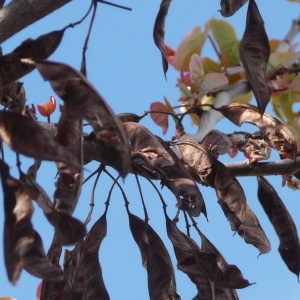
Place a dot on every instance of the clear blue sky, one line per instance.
(125, 66)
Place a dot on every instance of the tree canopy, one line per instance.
(173, 183)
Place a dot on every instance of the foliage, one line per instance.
(122, 143)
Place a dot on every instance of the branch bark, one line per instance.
(211, 117)
(285, 45)
(278, 167)
(19, 14)
(92, 151)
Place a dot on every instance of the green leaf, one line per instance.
(210, 66)
(225, 36)
(244, 99)
(283, 105)
(282, 58)
(192, 43)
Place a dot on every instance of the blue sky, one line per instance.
(125, 66)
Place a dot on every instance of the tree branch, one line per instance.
(19, 14)
(92, 151)
(278, 167)
(211, 117)
(285, 45)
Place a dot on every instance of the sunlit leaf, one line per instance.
(160, 119)
(191, 44)
(213, 80)
(226, 38)
(48, 108)
(196, 71)
(169, 54)
(244, 99)
(210, 66)
(285, 59)
(274, 45)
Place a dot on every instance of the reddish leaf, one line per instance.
(48, 108)
(191, 44)
(169, 53)
(160, 119)
(84, 102)
(38, 291)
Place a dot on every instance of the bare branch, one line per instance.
(278, 167)
(210, 118)
(26, 12)
(285, 45)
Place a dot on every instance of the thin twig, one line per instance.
(82, 19)
(115, 5)
(107, 202)
(94, 173)
(187, 224)
(142, 198)
(92, 203)
(118, 184)
(85, 46)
